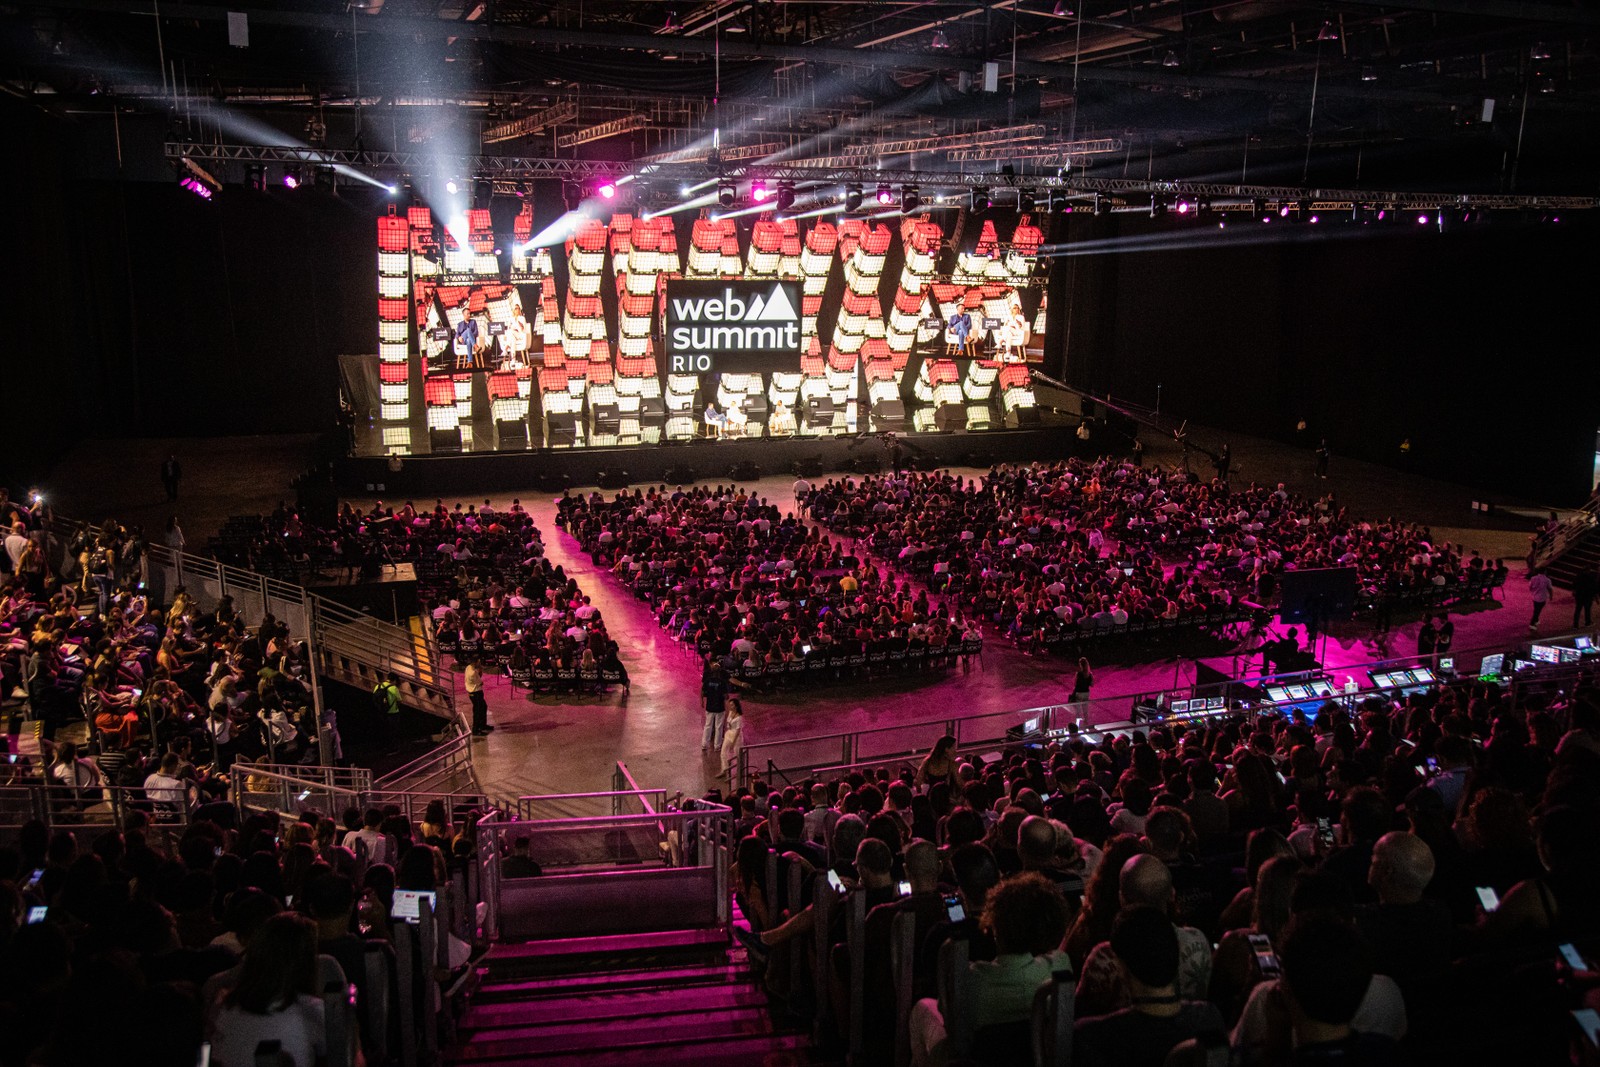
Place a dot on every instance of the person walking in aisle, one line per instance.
(1323, 455)
(1082, 681)
(480, 703)
(1540, 588)
(714, 699)
(1224, 461)
(732, 737)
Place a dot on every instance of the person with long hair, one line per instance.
(275, 998)
(1234, 971)
(1101, 899)
(939, 765)
(1081, 681)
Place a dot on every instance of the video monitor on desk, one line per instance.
(1277, 694)
(1423, 676)
(1490, 668)
(1181, 707)
(1299, 692)
(1322, 689)
(1545, 653)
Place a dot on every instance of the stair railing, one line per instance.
(1547, 547)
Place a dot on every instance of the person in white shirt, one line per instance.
(16, 543)
(370, 838)
(1541, 589)
(164, 788)
(274, 999)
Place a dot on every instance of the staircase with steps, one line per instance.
(681, 997)
(1580, 553)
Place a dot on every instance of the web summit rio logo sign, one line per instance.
(738, 327)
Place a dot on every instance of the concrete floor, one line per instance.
(571, 744)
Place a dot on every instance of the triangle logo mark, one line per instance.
(778, 308)
(752, 310)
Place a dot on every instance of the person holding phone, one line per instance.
(275, 999)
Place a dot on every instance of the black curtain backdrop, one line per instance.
(1474, 343)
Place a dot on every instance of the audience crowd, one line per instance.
(1051, 552)
(1379, 884)
(482, 576)
(726, 572)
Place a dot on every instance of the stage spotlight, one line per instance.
(291, 177)
(1358, 213)
(451, 187)
(979, 199)
(759, 191)
(1101, 206)
(1283, 211)
(726, 194)
(1158, 206)
(1422, 218)
(1183, 207)
(852, 196)
(1025, 201)
(885, 194)
(910, 199)
(571, 195)
(785, 196)
(255, 177)
(608, 190)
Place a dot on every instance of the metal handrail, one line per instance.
(1548, 548)
(849, 742)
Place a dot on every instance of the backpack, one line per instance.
(380, 697)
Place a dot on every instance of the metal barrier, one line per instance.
(794, 758)
(1548, 547)
(444, 767)
(638, 869)
(94, 809)
(260, 791)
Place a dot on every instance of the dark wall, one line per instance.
(145, 311)
(1472, 343)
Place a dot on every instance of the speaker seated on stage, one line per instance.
(782, 423)
(716, 421)
(736, 420)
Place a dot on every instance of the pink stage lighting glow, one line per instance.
(1283, 212)
(885, 195)
(1422, 220)
(202, 191)
(1183, 207)
(1315, 220)
(291, 181)
(608, 190)
(759, 191)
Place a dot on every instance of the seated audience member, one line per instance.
(1411, 936)
(1027, 919)
(275, 999)
(1103, 985)
(520, 864)
(1157, 1019)
(1326, 974)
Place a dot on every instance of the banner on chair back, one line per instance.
(732, 326)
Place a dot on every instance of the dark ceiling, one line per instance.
(1357, 94)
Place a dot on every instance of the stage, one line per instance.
(702, 459)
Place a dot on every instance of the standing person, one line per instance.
(732, 737)
(171, 472)
(1323, 455)
(1446, 635)
(1138, 451)
(1585, 587)
(386, 698)
(1082, 681)
(1541, 590)
(1224, 461)
(714, 699)
(480, 703)
(1427, 637)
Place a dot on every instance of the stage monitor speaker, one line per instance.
(605, 418)
(755, 408)
(745, 471)
(866, 464)
(442, 441)
(560, 428)
(1024, 418)
(889, 414)
(551, 482)
(950, 417)
(612, 479)
(651, 409)
(1318, 595)
(819, 411)
(681, 475)
(511, 434)
(808, 466)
